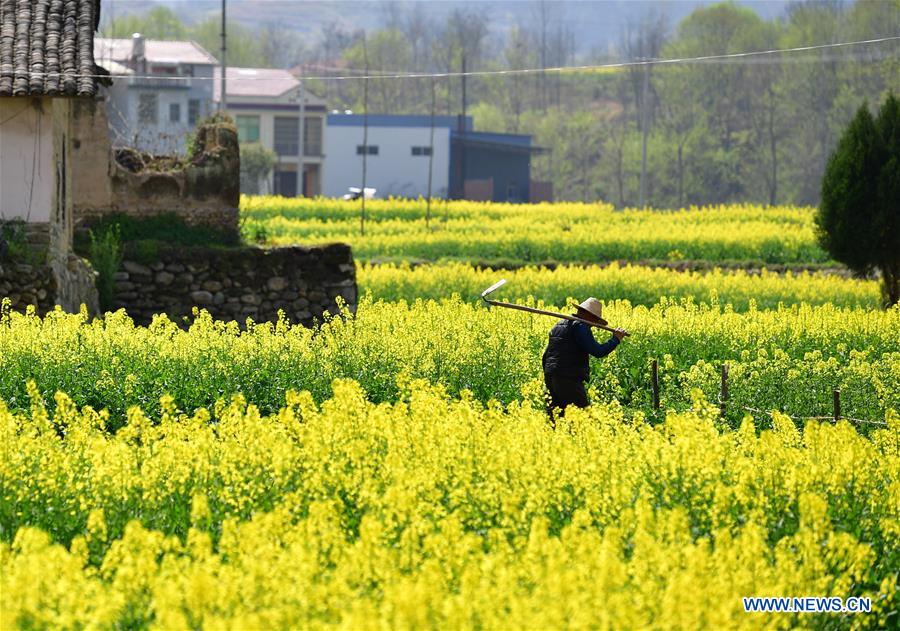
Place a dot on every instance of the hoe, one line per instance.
(562, 316)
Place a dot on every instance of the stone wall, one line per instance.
(76, 283)
(239, 283)
(202, 190)
(44, 286)
(27, 285)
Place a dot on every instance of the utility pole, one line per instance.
(223, 100)
(461, 128)
(362, 215)
(644, 125)
(464, 83)
(301, 147)
(430, 159)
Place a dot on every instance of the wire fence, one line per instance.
(724, 401)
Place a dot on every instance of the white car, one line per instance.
(354, 192)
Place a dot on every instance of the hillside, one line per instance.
(596, 25)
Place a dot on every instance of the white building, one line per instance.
(45, 85)
(467, 164)
(266, 104)
(398, 155)
(168, 91)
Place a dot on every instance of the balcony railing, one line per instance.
(161, 82)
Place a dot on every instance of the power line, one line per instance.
(523, 71)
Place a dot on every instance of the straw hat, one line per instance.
(593, 306)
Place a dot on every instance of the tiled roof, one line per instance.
(155, 51)
(264, 82)
(47, 47)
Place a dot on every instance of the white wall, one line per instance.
(164, 137)
(27, 169)
(394, 171)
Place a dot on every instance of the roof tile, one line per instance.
(47, 47)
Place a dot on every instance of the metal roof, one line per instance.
(155, 51)
(397, 120)
(263, 82)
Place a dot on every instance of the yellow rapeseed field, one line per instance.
(394, 467)
(492, 353)
(562, 231)
(637, 284)
(438, 512)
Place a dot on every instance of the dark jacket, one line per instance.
(570, 346)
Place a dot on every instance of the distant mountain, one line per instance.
(596, 24)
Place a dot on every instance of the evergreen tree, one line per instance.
(889, 198)
(857, 218)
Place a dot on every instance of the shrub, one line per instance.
(106, 257)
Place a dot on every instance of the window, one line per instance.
(148, 106)
(287, 135)
(372, 150)
(248, 128)
(174, 112)
(512, 192)
(421, 151)
(193, 112)
(312, 136)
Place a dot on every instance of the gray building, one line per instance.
(166, 90)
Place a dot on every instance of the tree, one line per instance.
(158, 23)
(282, 47)
(387, 51)
(244, 47)
(859, 218)
(256, 164)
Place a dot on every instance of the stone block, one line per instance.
(120, 276)
(175, 268)
(201, 297)
(164, 278)
(250, 299)
(136, 268)
(212, 285)
(277, 283)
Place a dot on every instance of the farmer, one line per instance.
(565, 361)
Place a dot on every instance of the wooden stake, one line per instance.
(654, 384)
(723, 396)
(837, 405)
